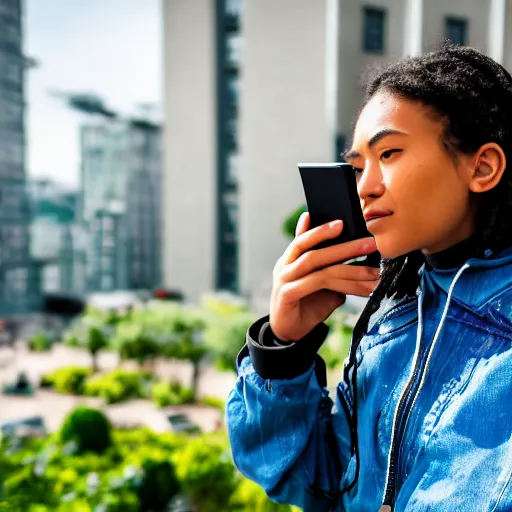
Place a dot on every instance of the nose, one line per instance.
(370, 183)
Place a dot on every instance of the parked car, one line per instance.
(24, 428)
(181, 424)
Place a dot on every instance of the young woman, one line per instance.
(422, 418)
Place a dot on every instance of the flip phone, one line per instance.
(331, 194)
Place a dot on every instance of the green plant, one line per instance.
(40, 342)
(186, 340)
(225, 336)
(171, 393)
(88, 428)
(136, 339)
(206, 472)
(159, 485)
(223, 303)
(290, 222)
(92, 333)
(250, 496)
(213, 401)
(67, 380)
(117, 385)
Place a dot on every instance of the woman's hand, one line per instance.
(308, 285)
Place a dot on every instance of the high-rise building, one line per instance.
(57, 238)
(19, 288)
(121, 204)
(203, 53)
(297, 96)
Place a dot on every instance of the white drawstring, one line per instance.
(416, 355)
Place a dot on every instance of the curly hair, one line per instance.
(471, 95)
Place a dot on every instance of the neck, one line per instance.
(452, 257)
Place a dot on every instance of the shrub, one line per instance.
(171, 393)
(135, 339)
(88, 428)
(117, 386)
(225, 336)
(90, 332)
(159, 485)
(67, 380)
(250, 496)
(206, 472)
(40, 342)
(290, 223)
(213, 401)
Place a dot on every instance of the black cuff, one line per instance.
(284, 361)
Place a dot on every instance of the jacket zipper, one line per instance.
(402, 411)
(405, 404)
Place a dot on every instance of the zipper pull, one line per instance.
(385, 508)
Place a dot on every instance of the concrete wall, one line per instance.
(283, 122)
(353, 61)
(476, 12)
(189, 145)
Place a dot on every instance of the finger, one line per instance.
(311, 237)
(309, 261)
(324, 258)
(302, 224)
(294, 291)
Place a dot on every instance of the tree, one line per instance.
(186, 342)
(90, 333)
(135, 339)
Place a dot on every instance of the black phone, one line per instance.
(331, 194)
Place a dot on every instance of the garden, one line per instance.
(88, 465)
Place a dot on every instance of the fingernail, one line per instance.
(335, 224)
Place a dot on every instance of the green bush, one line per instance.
(225, 336)
(135, 339)
(140, 471)
(290, 223)
(159, 485)
(213, 401)
(88, 428)
(250, 496)
(41, 342)
(118, 385)
(206, 472)
(171, 393)
(223, 303)
(91, 332)
(67, 380)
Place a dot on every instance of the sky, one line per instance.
(111, 48)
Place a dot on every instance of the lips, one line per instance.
(376, 214)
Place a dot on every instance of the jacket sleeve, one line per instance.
(280, 420)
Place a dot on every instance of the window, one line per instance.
(456, 30)
(373, 30)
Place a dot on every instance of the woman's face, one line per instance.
(417, 192)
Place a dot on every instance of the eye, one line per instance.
(387, 154)
(357, 170)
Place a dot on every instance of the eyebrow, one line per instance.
(348, 155)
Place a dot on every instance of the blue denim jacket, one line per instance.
(450, 350)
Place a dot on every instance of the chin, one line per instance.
(391, 248)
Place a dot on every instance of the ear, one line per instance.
(489, 165)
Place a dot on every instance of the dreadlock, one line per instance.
(471, 95)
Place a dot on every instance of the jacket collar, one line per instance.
(483, 279)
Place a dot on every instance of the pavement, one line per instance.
(54, 407)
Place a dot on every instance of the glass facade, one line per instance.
(229, 58)
(19, 279)
(121, 207)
